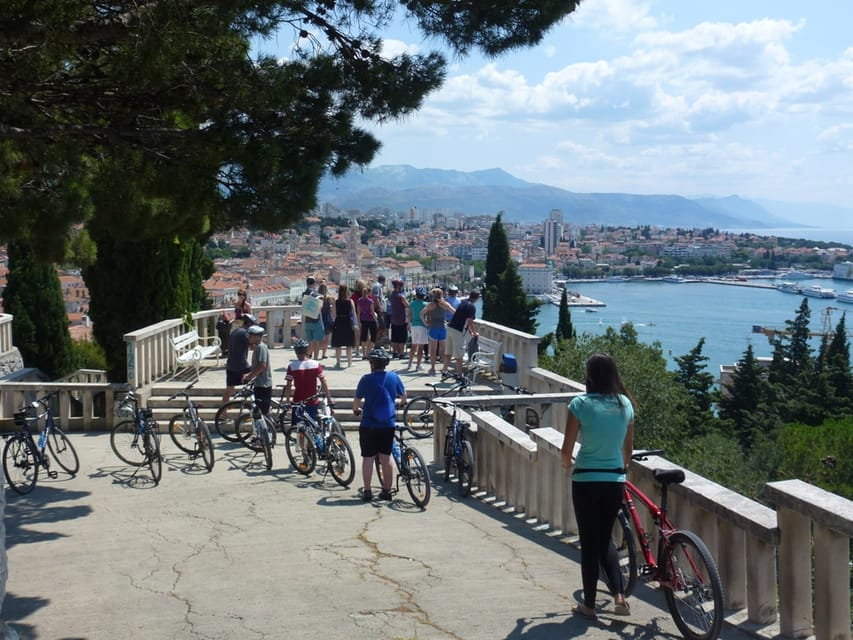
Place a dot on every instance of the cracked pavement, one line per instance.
(249, 554)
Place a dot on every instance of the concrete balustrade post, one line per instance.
(832, 585)
(731, 562)
(795, 570)
(761, 581)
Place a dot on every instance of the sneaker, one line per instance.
(385, 495)
(367, 495)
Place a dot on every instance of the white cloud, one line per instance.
(614, 15)
(392, 48)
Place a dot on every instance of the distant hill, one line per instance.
(401, 187)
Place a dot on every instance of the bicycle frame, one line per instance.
(658, 516)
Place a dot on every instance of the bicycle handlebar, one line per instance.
(643, 454)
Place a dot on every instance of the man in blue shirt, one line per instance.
(462, 321)
(379, 390)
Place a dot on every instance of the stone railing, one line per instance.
(150, 354)
(78, 406)
(748, 540)
(5, 333)
(523, 346)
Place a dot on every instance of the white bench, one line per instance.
(486, 358)
(190, 350)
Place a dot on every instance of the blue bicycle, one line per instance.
(136, 441)
(458, 453)
(22, 456)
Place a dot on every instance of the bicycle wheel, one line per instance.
(151, 444)
(693, 590)
(182, 432)
(225, 421)
(417, 414)
(126, 443)
(341, 459)
(625, 543)
(417, 476)
(63, 451)
(20, 464)
(206, 445)
(465, 469)
(266, 437)
(301, 451)
(246, 433)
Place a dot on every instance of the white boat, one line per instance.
(788, 287)
(847, 296)
(591, 310)
(816, 291)
(794, 274)
(673, 279)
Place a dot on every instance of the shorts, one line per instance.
(455, 345)
(311, 410)
(420, 335)
(235, 378)
(399, 333)
(438, 334)
(314, 331)
(368, 328)
(263, 398)
(375, 440)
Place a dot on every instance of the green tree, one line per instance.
(155, 121)
(819, 455)
(565, 329)
(504, 300)
(834, 369)
(33, 295)
(692, 374)
(745, 403)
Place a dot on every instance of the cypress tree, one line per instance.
(33, 296)
(565, 329)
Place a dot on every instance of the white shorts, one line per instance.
(420, 335)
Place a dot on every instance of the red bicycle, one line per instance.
(683, 566)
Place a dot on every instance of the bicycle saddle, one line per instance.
(669, 476)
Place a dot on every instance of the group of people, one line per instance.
(602, 418)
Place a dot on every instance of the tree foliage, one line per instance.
(565, 329)
(819, 455)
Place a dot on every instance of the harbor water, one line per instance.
(679, 315)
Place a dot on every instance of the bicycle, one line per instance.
(190, 432)
(411, 467)
(136, 441)
(531, 417)
(323, 439)
(233, 420)
(683, 566)
(458, 452)
(417, 414)
(22, 456)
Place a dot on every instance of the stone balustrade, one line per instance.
(78, 406)
(6, 343)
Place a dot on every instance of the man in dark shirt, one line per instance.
(462, 320)
(237, 364)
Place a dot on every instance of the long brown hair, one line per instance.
(343, 292)
(602, 376)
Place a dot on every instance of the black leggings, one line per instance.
(596, 507)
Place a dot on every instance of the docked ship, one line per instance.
(816, 291)
(795, 274)
(847, 296)
(788, 287)
(843, 271)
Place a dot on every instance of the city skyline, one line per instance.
(656, 96)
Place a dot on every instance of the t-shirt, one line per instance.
(398, 307)
(304, 374)
(454, 302)
(603, 425)
(238, 350)
(259, 355)
(379, 391)
(366, 309)
(465, 310)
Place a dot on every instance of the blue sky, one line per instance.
(746, 97)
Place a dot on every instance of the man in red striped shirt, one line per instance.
(302, 377)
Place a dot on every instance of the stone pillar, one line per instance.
(6, 632)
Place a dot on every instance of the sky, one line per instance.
(746, 97)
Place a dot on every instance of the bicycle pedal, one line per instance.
(52, 474)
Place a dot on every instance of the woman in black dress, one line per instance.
(343, 334)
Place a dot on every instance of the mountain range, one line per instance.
(398, 188)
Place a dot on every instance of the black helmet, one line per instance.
(249, 320)
(301, 345)
(379, 355)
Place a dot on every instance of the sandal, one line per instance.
(583, 612)
(621, 609)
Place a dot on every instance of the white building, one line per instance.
(536, 277)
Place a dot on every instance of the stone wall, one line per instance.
(10, 362)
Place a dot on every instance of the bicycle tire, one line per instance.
(417, 476)
(265, 436)
(246, 433)
(205, 443)
(449, 457)
(151, 444)
(63, 451)
(303, 458)
(182, 433)
(625, 544)
(692, 587)
(340, 459)
(465, 469)
(378, 466)
(225, 421)
(20, 464)
(418, 415)
(127, 444)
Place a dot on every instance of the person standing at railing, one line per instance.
(604, 419)
(461, 321)
(237, 364)
(433, 316)
(399, 319)
(420, 338)
(379, 390)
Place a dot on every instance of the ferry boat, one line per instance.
(788, 287)
(847, 296)
(816, 291)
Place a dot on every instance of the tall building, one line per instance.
(553, 230)
(354, 243)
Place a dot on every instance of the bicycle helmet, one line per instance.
(249, 319)
(256, 330)
(301, 346)
(420, 292)
(379, 355)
